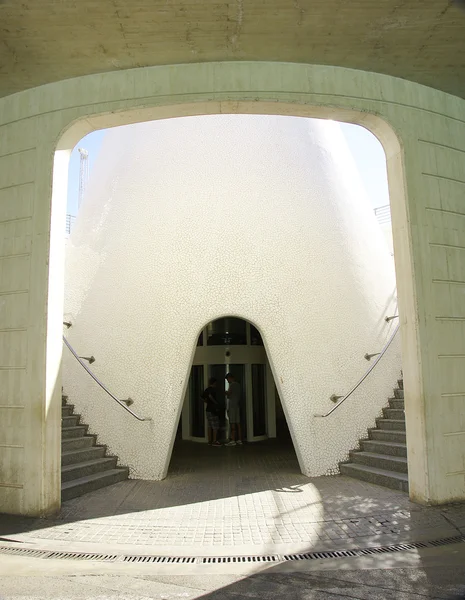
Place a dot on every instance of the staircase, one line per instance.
(85, 467)
(382, 458)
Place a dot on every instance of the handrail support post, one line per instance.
(338, 399)
(124, 403)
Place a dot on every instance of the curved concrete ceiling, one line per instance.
(42, 41)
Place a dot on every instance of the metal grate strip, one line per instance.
(239, 559)
(23, 552)
(159, 559)
(82, 556)
(33, 553)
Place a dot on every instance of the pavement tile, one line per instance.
(255, 497)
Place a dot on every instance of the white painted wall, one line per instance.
(190, 219)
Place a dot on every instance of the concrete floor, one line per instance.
(246, 500)
(438, 573)
(241, 500)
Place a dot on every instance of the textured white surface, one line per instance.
(191, 219)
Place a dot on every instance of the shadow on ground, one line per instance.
(365, 584)
(254, 494)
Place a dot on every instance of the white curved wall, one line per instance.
(190, 219)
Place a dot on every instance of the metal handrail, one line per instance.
(381, 354)
(103, 386)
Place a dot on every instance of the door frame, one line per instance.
(247, 355)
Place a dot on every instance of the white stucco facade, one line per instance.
(422, 131)
(261, 217)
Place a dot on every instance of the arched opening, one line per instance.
(231, 345)
(231, 351)
(420, 131)
(397, 118)
(154, 215)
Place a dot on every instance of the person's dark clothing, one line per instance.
(210, 407)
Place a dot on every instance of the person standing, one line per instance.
(234, 410)
(212, 412)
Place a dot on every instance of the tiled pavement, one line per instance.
(245, 499)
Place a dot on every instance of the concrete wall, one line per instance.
(187, 220)
(426, 162)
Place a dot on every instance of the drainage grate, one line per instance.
(159, 559)
(270, 558)
(82, 556)
(239, 559)
(377, 550)
(22, 552)
(445, 541)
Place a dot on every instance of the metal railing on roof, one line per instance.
(383, 214)
(70, 219)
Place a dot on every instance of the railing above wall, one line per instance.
(383, 214)
(70, 219)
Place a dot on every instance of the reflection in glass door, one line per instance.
(259, 400)
(218, 372)
(196, 387)
(238, 372)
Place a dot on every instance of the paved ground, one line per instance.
(249, 499)
(436, 573)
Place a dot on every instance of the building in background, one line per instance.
(255, 233)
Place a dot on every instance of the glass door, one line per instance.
(231, 345)
(259, 400)
(219, 372)
(238, 371)
(196, 404)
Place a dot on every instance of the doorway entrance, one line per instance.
(231, 345)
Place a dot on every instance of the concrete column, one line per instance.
(433, 314)
(30, 383)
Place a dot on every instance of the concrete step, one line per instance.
(392, 424)
(73, 432)
(77, 443)
(88, 467)
(389, 479)
(386, 448)
(70, 420)
(394, 413)
(380, 461)
(396, 403)
(67, 410)
(398, 393)
(83, 485)
(72, 457)
(385, 435)
(400, 383)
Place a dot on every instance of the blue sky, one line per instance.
(366, 150)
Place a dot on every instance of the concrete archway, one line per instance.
(421, 130)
